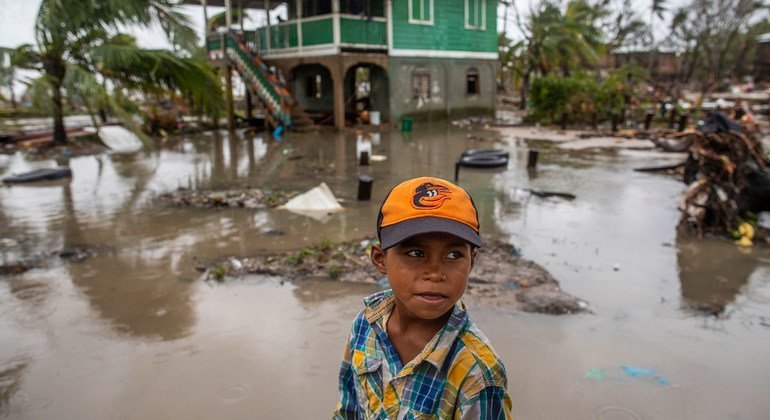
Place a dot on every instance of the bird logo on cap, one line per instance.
(429, 196)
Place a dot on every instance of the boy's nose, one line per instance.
(433, 272)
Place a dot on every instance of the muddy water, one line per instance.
(132, 332)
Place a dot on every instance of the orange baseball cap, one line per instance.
(424, 205)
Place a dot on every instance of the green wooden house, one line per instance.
(392, 57)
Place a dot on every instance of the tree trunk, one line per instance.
(524, 91)
(14, 105)
(59, 134)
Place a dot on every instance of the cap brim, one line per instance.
(392, 235)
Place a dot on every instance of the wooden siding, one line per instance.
(448, 32)
(318, 32)
(363, 31)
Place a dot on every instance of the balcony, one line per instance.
(326, 34)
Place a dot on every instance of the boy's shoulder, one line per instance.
(477, 358)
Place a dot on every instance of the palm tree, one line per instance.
(656, 9)
(78, 48)
(557, 40)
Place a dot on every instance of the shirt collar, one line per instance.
(381, 303)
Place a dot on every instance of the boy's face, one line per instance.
(428, 273)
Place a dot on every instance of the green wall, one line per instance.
(448, 30)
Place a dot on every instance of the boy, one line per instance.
(413, 352)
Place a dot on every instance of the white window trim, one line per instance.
(420, 21)
(468, 24)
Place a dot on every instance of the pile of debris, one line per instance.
(500, 279)
(729, 181)
(252, 198)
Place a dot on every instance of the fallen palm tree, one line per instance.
(728, 178)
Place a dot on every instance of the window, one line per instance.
(472, 81)
(421, 12)
(369, 8)
(314, 86)
(315, 7)
(421, 83)
(476, 14)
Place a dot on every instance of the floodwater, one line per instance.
(679, 329)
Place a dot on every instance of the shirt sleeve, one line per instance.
(347, 406)
(491, 402)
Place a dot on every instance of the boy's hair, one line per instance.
(424, 205)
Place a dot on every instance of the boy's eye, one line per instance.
(454, 255)
(415, 253)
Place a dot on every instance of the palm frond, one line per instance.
(40, 91)
(83, 83)
(161, 70)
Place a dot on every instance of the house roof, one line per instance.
(247, 4)
(764, 37)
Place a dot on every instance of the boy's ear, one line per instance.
(378, 258)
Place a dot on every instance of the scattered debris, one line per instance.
(544, 194)
(729, 182)
(641, 372)
(14, 268)
(500, 279)
(251, 198)
(76, 253)
(660, 168)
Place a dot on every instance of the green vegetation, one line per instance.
(82, 58)
(715, 42)
(581, 96)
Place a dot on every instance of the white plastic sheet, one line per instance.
(317, 202)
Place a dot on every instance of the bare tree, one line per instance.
(709, 34)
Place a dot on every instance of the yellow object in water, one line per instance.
(747, 234)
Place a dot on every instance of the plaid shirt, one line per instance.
(457, 375)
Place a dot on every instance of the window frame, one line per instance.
(419, 74)
(423, 21)
(475, 25)
(473, 71)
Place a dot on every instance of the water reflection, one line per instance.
(321, 290)
(711, 272)
(11, 373)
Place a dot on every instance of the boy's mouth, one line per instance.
(431, 297)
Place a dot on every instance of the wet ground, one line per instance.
(680, 327)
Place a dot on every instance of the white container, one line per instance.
(374, 117)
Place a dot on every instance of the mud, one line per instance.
(250, 198)
(500, 279)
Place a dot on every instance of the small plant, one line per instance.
(334, 271)
(217, 273)
(326, 245)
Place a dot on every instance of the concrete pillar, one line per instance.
(249, 104)
(267, 31)
(338, 79)
(229, 94)
(228, 14)
(205, 20)
(240, 14)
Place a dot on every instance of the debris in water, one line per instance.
(641, 372)
(595, 373)
(318, 201)
(729, 181)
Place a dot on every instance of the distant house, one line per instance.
(666, 65)
(395, 57)
(762, 59)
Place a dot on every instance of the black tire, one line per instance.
(484, 161)
(480, 152)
